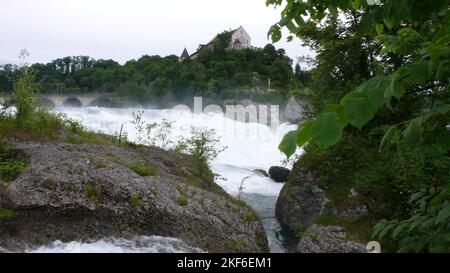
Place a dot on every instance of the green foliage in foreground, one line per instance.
(427, 229)
(417, 29)
(380, 92)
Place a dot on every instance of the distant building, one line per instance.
(239, 40)
(184, 55)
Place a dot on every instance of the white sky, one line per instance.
(127, 29)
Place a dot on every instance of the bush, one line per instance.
(25, 88)
(182, 200)
(93, 192)
(385, 179)
(428, 227)
(10, 168)
(142, 168)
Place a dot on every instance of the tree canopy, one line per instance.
(215, 72)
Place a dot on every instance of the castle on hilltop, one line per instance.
(239, 40)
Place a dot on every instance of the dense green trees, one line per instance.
(380, 89)
(217, 72)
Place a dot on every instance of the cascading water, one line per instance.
(250, 146)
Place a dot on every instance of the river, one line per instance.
(250, 146)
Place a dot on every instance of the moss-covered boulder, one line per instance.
(87, 192)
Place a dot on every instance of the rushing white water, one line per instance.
(250, 146)
(141, 244)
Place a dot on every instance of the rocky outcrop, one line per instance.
(352, 209)
(279, 174)
(301, 202)
(294, 110)
(328, 239)
(88, 192)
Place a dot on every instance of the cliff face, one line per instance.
(87, 192)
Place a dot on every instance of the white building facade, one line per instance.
(240, 39)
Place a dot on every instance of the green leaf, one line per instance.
(339, 109)
(398, 230)
(304, 133)
(419, 72)
(326, 129)
(358, 111)
(375, 95)
(355, 4)
(378, 227)
(385, 230)
(387, 136)
(379, 28)
(443, 215)
(289, 143)
(443, 139)
(411, 135)
(394, 89)
(333, 11)
(275, 33)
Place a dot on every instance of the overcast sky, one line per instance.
(127, 29)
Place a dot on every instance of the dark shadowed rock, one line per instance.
(279, 174)
(261, 173)
(89, 192)
(301, 201)
(328, 239)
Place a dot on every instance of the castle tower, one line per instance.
(185, 55)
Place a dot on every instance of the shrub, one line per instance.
(25, 87)
(10, 168)
(428, 227)
(142, 168)
(93, 192)
(135, 201)
(182, 200)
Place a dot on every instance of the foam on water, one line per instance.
(141, 244)
(250, 146)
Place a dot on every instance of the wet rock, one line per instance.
(328, 239)
(279, 174)
(301, 201)
(88, 192)
(261, 172)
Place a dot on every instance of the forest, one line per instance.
(221, 73)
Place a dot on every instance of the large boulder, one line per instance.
(328, 239)
(279, 174)
(88, 192)
(294, 110)
(301, 201)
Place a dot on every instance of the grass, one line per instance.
(360, 229)
(135, 201)
(93, 192)
(6, 213)
(10, 168)
(251, 216)
(142, 168)
(182, 200)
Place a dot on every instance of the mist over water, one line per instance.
(250, 146)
